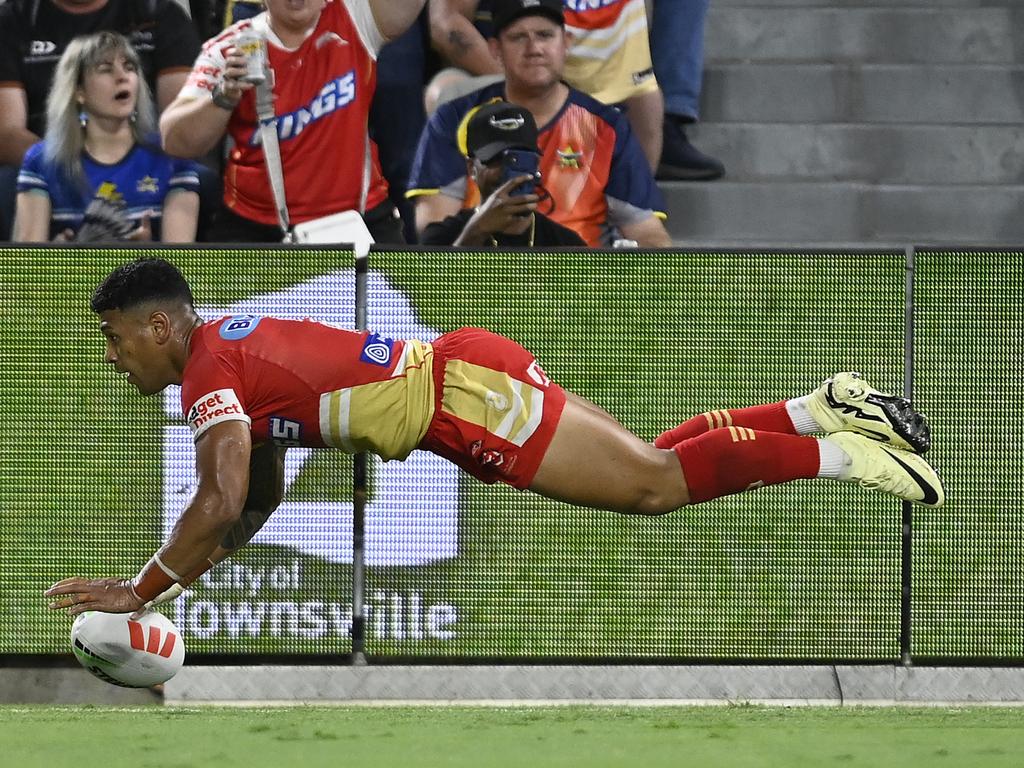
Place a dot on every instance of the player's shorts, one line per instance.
(610, 55)
(495, 410)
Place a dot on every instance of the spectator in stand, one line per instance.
(99, 119)
(34, 34)
(503, 217)
(677, 45)
(609, 58)
(323, 55)
(599, 181)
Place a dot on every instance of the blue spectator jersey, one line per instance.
(141, 180)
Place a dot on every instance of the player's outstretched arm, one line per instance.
(266, 490)
(222, 464)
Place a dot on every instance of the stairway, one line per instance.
(864, 124)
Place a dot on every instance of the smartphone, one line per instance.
(517, 162)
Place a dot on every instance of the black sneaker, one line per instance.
(681, 161)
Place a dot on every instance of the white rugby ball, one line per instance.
(132, 653)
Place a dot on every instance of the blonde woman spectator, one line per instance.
(100, 155)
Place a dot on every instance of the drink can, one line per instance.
(253, 47)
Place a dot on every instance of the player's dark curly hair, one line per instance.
(138, 282)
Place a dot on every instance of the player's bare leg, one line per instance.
(593, 461)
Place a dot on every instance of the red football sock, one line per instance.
(767, 418)
(736, 459)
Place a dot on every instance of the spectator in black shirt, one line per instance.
(34, 34)
(502, 218)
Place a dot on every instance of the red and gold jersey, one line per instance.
(322, 95)
(473, 397)
(306, 383)
(610, 56)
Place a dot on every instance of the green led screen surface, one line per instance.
(968, 557)
(811, 570)
(94, 474)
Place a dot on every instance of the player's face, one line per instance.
(294, 15)
(533, 50)
(132, 348)
(110, 89)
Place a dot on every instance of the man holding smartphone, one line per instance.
(501, 139)
(600, 183)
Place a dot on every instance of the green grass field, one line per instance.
(486, 737)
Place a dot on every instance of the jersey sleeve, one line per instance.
(32, 176)
(366, 25)
(184, 176)
(212, 393)
(176, 42)
(208, 68)
(10, 48)
(439, 166)
(631, 193)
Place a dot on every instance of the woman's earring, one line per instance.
(134, 117)
(83, 118)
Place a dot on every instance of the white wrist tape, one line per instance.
(160, 564)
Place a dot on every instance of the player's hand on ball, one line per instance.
(171, 593)
(77, 595)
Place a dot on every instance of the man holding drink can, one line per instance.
(323, 57)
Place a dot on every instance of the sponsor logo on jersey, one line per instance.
(588, 5)
(147, 184)
(41, 48)
(142, 39)
(108, 191)
(377, 350)
(238, 327)
(535, 372)
(213, 408)
(568, 157)
(643, 75)
(337, 94)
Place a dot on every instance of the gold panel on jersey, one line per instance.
(386, 417)
(504, 406)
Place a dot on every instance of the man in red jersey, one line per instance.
(323, 54)
(252, 385)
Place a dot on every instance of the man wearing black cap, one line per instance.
(503, 217)
(599, 180)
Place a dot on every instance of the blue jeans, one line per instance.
(397, 116)
(677, 50)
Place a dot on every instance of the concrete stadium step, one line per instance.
(870, 93)
(926, 35)
(894, 154)
(781, 213)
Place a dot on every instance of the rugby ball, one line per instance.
(132, 653)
